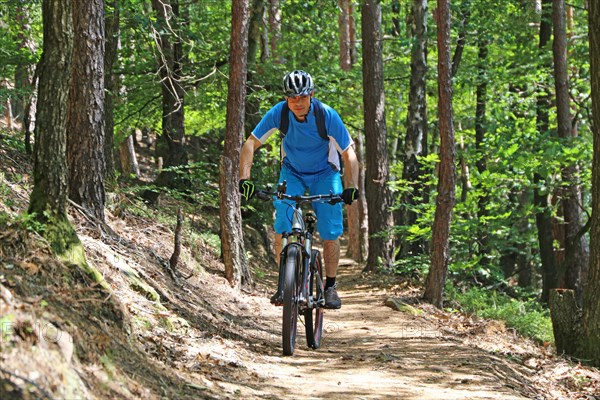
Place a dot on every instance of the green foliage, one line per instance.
(528, 317)
(24, 221)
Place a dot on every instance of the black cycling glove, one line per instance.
(349, 195)
(247, 189)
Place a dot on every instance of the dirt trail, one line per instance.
(370, 351)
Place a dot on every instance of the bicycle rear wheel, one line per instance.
(291, 287)
(313, 317)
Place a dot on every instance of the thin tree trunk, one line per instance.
(377, 192)
(465, 14)
(416, 133)
(25, 69)
(576, 249)
(543, 216)
(110, 85)
(440, 255)
(481, 163)
(589, 343)
(275, 29)
(344, 35)
(357, 212)
(237, 270)
(254, 37)
(129, 164)
(7, 106)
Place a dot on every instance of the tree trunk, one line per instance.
(465, 14)
(237, 270)
(416, 133)
(353, 51)
(24, 69)
(377, 192)
(170, 57)
(543, 216)
(440, 255)
(566, 318)
(344, 35)
(254, 36)
(85, 120)
(112, 33)
(7, 106)
(481, 163)
(275, 29)
(129, 164)
(357, 212)
(50, 172)
(575, 247)
(590, 334)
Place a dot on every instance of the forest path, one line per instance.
(370, 351)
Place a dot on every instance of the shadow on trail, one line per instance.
(370, 351)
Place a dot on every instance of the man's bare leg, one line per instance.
(331, 257)
(278, 240)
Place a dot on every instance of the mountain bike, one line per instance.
(301, 284)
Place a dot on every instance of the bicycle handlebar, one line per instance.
(330, 198)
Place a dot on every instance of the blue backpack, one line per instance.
(321, 128)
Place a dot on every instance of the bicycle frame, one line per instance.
(304, 239)
(295, 274)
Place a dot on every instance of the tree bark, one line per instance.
(85, 120)
(25, 68)
(575, 248)
(566, 318)
(50, 172)
(416, 133)
(440, 255)
(129, 164)
(344, 35)
(377, 192)
(237, 270)
(481, 163)
(357, 212)
(543, 216)
(590, 335)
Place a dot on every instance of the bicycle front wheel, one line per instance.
(291, 288)
(313, 317)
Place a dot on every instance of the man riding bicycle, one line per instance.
(308, 163)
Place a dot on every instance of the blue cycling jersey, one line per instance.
(303, 149)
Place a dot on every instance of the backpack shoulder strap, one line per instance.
(285, 119)
(320, 117)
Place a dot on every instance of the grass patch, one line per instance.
(528, 317)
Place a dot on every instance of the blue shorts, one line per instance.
(329, 217)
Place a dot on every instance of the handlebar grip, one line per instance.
(262, 195)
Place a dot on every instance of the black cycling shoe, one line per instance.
(332, 300)
(277, 299)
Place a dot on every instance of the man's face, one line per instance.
(299, 105)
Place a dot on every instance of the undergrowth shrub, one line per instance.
(527, 316)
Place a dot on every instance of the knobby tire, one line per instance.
(290, 300)
(313, 317)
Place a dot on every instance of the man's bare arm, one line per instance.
(351, 163)
(247, 156)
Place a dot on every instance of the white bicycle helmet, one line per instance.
(297, 83)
